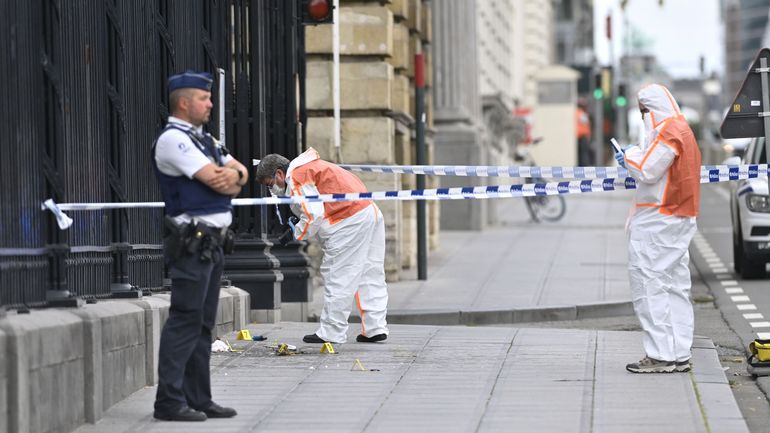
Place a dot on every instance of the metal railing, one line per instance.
(84, 86)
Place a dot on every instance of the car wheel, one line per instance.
(752, 270)
(743, 265)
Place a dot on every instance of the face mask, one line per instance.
(647, 122)
(276, 189)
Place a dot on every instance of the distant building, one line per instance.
(745, 26)
(538, 42)
(574, 32)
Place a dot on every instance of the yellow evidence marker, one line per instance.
(357, 366)
(244, 334)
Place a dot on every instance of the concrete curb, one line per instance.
(60, 368)
(715, 398)
(447, 317)
(3, 382)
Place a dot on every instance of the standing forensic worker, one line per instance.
(352, 237)
(666, 167)
(197, 179)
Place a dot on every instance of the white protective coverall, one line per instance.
(666, 167)
(352, 236)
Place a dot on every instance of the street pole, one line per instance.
(336, 81)
(598, 129)
(422, 233)
(765, 107)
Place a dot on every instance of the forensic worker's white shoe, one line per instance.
(650, 365)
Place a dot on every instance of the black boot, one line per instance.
(183, 414)
(379, 337)
(217, 411)
(313, 338)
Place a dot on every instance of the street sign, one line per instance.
(745, 116)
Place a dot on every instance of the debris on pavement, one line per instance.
(219, 346)
(284, 349)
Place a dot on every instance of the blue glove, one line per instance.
(620, 157)
(292, 221)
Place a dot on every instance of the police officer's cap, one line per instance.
(190, 79)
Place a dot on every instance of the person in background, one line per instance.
(666, 167)
(352, 237)
(583, 134)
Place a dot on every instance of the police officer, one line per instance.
(197, 178)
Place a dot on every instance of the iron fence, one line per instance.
(84, 91)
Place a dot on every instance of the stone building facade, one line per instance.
(458, 114)
(378, 42)
(487, 54)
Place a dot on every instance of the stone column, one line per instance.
(457, 107)
(366, 101)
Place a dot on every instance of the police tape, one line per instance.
(709, 175)
(540, 172)
(544, 172)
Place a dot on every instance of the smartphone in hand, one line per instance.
(615, 145)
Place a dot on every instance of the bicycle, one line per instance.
(549, 208)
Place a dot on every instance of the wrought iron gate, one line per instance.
(84, 91)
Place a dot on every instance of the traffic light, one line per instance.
(316, 12)
(621, 100)
(598, 90)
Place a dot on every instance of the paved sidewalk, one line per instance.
(524, 271)
(452, 379)
(475, 379)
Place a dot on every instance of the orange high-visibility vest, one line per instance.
(582, 124)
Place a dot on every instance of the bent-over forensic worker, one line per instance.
(352, 237)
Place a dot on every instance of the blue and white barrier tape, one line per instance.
(545, 172)
(709, 175)
(516, 171)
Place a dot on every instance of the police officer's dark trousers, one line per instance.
(185, 343)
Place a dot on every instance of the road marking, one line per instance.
(730, 284)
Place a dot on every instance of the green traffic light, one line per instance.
(598, 94)
(621, 101)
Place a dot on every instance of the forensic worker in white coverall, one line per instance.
(352, 237)
(666, 167)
